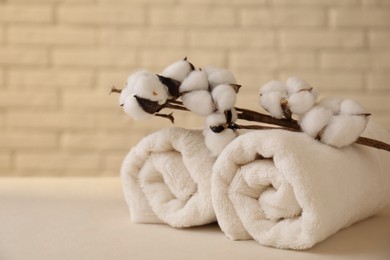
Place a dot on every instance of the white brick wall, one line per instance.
(59, 58)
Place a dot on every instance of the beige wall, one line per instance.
(58, 60)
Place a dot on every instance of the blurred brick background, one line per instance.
(59, 58)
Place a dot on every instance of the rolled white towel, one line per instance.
(287, 190)
(166, 178)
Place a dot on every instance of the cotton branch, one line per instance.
(212, 93)
(291, 125)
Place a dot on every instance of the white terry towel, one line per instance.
(303, 192)
(166, 178)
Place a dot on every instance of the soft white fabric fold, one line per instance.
(166, 178)
(287, 190)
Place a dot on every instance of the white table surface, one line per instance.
(87, 218)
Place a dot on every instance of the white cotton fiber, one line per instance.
(133, 109)
(148, 86)
(215, 119)
(199, 102)
(351, 107)
(129, 88)
(313, 121)
(271, 103)
(221, 76)
(210, 70)
(295, 84)
(273, 86)
(301, 102)
(177, 70)
(331, 103)
(196, 80)
(216, 142)
(224, 97)
(343, 130)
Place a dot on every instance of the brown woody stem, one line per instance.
(168, 116)
(115, 90)
(178, 106)
(373, 143)
(261, 127)
(250, 115)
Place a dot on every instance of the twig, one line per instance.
(373, 143)
(169, 116)
(250, 115)
(115, 90)
(174, 101)
(177, 107)
(261, 127)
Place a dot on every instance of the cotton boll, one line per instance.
(133, 77)
(295, 84)
(224, 97)
(271, 103)
(129, 88)
(315, 92)
(216, 142)
(343, 130)
(313, 121)
(196, 80)
(273, 86)
(149, 86)
(210, 70)
(221, 76)
(301, 102)
(331, 103)
(199, 102)
(133, 109)
(178, 70)
(351, 107)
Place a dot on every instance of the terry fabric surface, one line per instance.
(166, 178)
(302, 191)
